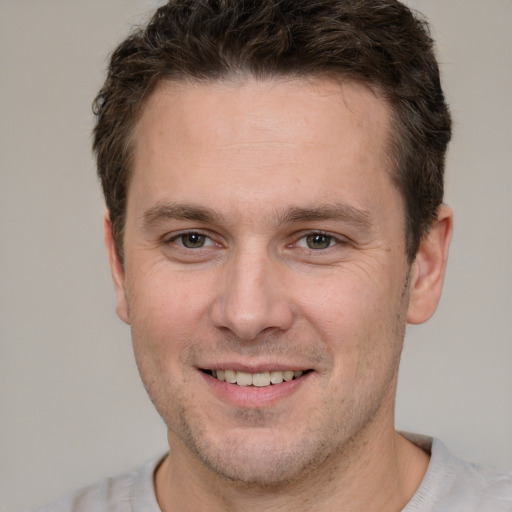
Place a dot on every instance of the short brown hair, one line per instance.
(380, 43)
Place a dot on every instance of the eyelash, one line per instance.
(182, 235)
(322, 234)
(304, 236)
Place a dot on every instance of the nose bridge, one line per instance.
(252, 297)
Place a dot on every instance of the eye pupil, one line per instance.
(193, 240)
(318, 241)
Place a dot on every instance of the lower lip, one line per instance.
(253, 397)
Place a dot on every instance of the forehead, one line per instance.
(263, 106)
(309, 138)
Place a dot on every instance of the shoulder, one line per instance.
(129, 492)
(486, 488)
(452, 484)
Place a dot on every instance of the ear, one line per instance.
(117, 270)
(429, 267)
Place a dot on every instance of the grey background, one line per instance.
(72, 408)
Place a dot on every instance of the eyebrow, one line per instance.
(340, 212)
(184, 211)
(178, 211)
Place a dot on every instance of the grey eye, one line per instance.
(193, 240)
(318, 241)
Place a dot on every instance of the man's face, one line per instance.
(264, 236)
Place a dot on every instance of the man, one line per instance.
(273, 173)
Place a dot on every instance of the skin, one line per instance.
(296, 261)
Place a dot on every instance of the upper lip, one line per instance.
(252, 368)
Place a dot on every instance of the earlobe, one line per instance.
(117, 270)
(429, 268)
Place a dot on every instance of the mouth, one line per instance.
(260, 379)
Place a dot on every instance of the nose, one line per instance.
(252, 297)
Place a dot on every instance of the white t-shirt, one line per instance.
(450, 485)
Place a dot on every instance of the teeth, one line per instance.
(243, 379)
(276, 377)
(230, 376)
(288, 375)
(260, 380)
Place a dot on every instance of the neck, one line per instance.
(378, 471)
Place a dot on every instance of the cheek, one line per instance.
(343, 302)
(358, 319)
(165, 316)
(166, 311)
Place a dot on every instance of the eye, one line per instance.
(317, 241)
(192, 240)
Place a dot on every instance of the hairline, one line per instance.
(239, 76)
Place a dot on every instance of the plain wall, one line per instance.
(72, 407)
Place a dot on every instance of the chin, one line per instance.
(261, 459)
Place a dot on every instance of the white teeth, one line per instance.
(243, 379)
(276, 377)
(230, 376)
(262, 379)
(288, 375)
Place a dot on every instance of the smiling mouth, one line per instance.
(260, 380)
